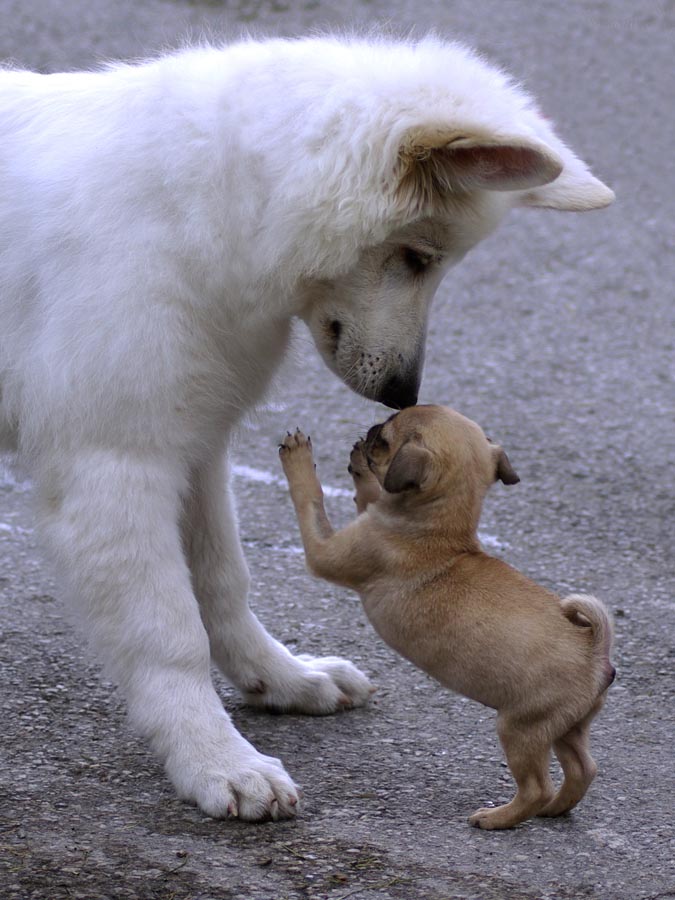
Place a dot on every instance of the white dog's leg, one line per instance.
(111, 521)
(266, 673)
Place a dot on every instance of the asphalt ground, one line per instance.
(557, 335)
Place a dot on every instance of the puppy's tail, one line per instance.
(587, 611)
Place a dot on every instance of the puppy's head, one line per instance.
(429, 451)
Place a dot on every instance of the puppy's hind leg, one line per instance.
(528, 752)
(579, 767)
(366, 485)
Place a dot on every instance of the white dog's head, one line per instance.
(370, 323)
(411, 154)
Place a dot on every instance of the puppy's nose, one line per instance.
(400, 391)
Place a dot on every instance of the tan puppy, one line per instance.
(468, 619)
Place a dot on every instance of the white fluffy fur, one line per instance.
(160, 226)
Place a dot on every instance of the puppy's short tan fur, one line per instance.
(468, 619)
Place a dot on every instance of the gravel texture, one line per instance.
(557, 335)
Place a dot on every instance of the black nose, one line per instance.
(400, 392)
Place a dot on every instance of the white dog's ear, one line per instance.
(433, 161)
(575, 190)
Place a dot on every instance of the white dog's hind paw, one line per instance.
(319, 686)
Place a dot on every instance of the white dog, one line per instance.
(161, 226)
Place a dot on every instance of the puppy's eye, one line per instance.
(415, 261)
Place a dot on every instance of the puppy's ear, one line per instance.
(504, 471)
(407, 469)
(437, 160)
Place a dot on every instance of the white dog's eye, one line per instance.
(333, 330)
(416, 261)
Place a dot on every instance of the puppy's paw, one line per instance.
(486, 818)
(506, 816)
(366, 485)
(295, 452)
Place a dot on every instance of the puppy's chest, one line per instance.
(401, 611)
(420, 621)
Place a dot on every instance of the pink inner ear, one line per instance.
(500, 167)
(434, 164)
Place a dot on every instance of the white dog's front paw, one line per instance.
(241, 784)
(314, 686)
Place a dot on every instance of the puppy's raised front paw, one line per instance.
(295, 452)
(366, 485)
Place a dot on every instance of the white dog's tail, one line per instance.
(587, 611)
